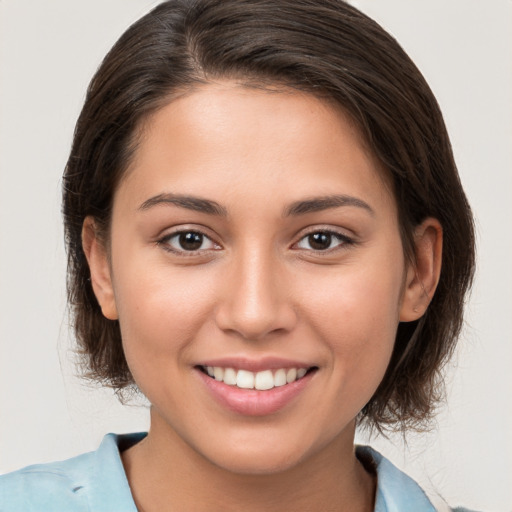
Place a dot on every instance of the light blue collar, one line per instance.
(396, 492)
(96, 481)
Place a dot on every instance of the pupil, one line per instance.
(320, 241)
(191, 241)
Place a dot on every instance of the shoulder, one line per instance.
(87, 482)
(48, 487)
(396, 491)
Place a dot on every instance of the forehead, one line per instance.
(230, 133)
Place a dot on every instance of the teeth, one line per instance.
(266, 379)
(280, 378)
(245, 379)
(301, 372)
(230, 376)
(291, 375)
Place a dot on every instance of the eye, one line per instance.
(188, 241)
(322, 241)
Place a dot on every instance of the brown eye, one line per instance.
(187, 241)
(320, 241)
(190, 241)
(323, 241)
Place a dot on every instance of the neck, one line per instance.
(166, 474)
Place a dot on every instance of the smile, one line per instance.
(261, 381)
(271, 387)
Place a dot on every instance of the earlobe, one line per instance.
(423, 273)
(99, 266)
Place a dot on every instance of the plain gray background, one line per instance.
(49, 51)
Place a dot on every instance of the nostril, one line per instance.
(255, 325)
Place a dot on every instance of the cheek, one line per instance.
(160, 312)
(357, 320)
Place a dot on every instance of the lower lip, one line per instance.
(251, 402)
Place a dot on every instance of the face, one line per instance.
(254, 239)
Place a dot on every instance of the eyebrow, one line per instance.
(316, 204)
(197, 204)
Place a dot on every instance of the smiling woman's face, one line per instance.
(254, 238)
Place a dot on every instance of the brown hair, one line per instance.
(329, 49)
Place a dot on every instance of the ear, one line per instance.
(99, 265)
(423, 273)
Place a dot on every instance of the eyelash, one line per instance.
(165, 242)
(342, 239)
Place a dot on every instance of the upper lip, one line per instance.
(255, 365)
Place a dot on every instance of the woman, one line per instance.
(268, 237)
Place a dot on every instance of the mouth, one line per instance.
(263, 380)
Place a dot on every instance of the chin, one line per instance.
(260, 463)
(258, 456)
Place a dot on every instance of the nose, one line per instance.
(257, 299)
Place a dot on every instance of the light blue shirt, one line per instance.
(96, 482)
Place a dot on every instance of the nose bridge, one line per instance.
(255, 301)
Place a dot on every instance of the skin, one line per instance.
(256, 288)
